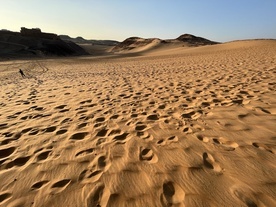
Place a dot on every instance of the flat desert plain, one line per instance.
(168, 127)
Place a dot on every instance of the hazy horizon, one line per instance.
(218, 21)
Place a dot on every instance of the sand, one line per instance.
(178, 127)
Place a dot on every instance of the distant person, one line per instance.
(22, 73)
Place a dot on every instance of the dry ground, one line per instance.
(176, 127)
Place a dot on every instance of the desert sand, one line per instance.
(168, 127)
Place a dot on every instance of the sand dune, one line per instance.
(138, 44)
(177, 127)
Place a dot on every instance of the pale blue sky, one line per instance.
(218, 20)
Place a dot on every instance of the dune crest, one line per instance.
(138, 44)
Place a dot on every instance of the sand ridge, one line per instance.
(193, 128)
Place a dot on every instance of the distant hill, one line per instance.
(138, 43)
(194, 40)
(81, 40)
(34, 43)
(133, 43)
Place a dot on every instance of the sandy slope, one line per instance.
(189, 127)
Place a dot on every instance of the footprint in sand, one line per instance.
(245, 196)
(26, 130)
(82, 125)
(210, 162)
(243, 116)
(226, 144)
(191, 115)
(172, 194)
(167, 141)
(4, 197)
(114, 132)
(6, 152)
(82, 175)
(86, 101)
(102, 132)
(161, 142)
(79, 136)
(153, 117)
(97, 197)
(187, 130)
(90, 176)
(172, 139)
(144, 135)
(82, 112)
(100, 119)
(94, 173)
(140, 127)
(50, 129)
(39, 108)
(147, 154)
(263, 147)
(102, 162)
(60, 107)
(34, 131)
(66, 120)
(43, 155)
(18, 162)
(262, 110)
(59, 186)
(203, 138)
(84, 152)
(114, 116)
(4, 126)
(134, 115)
(39, 184)
(63, 110)
(121, 138)
(61, 131)
(6, 141)
(248, 197)
(7, 134)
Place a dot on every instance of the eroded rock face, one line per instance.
(135, 42)
(194, 40)
(33, 43)
(36, 32)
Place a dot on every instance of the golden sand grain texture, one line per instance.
(177, 127)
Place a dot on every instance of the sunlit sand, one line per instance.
(175, 126)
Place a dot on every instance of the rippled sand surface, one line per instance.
(178, 127)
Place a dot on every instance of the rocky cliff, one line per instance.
(34, 43)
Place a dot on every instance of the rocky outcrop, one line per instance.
(133, 43)
(34, 43)
(36, 32)
(81, 40)
(194, 40)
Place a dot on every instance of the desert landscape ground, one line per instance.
(177, 126)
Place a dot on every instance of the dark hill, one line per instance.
(132, 43)
(188, 40)
(81, 40)
(194, 40)
(34, 43)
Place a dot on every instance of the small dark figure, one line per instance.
(22, 73)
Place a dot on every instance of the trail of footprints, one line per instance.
(219, 141)
(170, 194)
(210, 162)
(195, 101)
